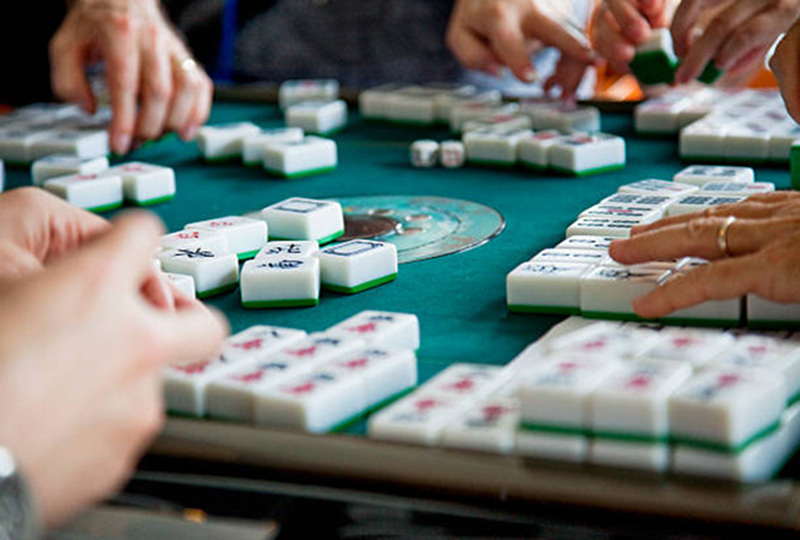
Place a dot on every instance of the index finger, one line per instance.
(684, 20)
(631, 20)
(536, 25)
(190, 334)
(121, 56)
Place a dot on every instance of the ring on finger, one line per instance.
(186, 64)
(722, 236)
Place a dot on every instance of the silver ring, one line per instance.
(722, 236)
(186, 64)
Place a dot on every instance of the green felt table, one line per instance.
(459, 298)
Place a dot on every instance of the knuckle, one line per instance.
(157, 89)
(496, 11)
(718, 28)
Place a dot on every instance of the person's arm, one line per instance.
(154, 84)
(487, 35)
(81, 354)
(761, 258)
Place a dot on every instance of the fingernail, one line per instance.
(189, 133)
(494, 70)
(122, 143)
(529, 75)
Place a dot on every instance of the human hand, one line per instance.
(81, 355)
(785, 64)
(37, 228)
(619, 26)
(486, 35)
(147, 65)
(762, 244)
(736, 37)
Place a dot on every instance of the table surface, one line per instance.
(459, 298)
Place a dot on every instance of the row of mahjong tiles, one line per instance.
(285, 272)
(689, 401)
(579, 277)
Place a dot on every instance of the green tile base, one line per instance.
(105, 207)
(533, 166)
(794, 166)
(321, 241)
(706, 323)
(491, 163)
(359, 288)
(711, 73)
(301, 174)
(346, 424)
(653, 67)
(222, 160)
(151, 202)
(410, 123)
(721, 448)
(218, 290)
(268, 304)
(544, 310)
(247, 254)
(773, 325)
(589, 172)
(554, 430)
(252, 164)
(607, 316)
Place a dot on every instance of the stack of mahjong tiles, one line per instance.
(685, 401)
(285, 152)
(284, 378)
(38, 130)
(89, 182)
(290, 268)
(749, 126)
(579, 277)
(655, 61)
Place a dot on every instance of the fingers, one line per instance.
(159, 292)
(472, 51)
(191, 334)
(156, 83)
(536, 25)
(718, 31)
(723, 280)
(67, 67)
(119, 49)
(610, 44)
(746, 210)
(635, 27)
(191, 101)
(684, 21)
(201, 110)
(785, 64)
(698, 238)
(568, 76)
(509, 43)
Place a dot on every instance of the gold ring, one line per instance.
(722, 236)
(187, 64)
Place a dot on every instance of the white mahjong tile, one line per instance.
(143, 183)
(312, 155)
(702, 142)
(736, 189)
(57, 165)
(416, 419)
(767, 353)
(280, 282)
(492, 145)
(660, 115)
(764, 313)
(633, 400)
(16, 143)
(572, 447)
(295, 91)
(644, 200)
(316, 402)
(319, 348)
(699, 175)
(373, 102)
(640, 212)
(213, 272)
(602, 226)
(781, 140)
(304, 219)
(412, 104)
(290, 248)
(261, 341)
(245, 236)
(386, 372)
(556, 392)
(579, 256)
(357, 265)
(232, 396)
(747, 142)
(566, 117)
(515, 121)
(467, 381)
(534, 150)
(546, 286)
(490, 426)
(96, 192)
(253, 145)
(726, 313)
(185, 384)
(182, 282)
(586, 154)
(694, 345)
(698, 202)
(321, 117)
(609, 292)
(474, 109)
(598, 243)
(191, 239)
(605, 340)
(654, 457)
(659, 187)
(381, 329)
(81, 143)
(724, 408)
(447, 101)
(224, 141)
